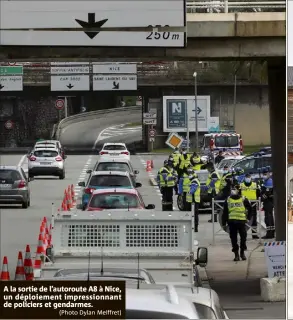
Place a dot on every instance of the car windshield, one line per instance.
(114, 147)
(113, 166)
(226, 162)
(226, 141)
(46, 153)
(9, 176)
(110, 181)
(205, 312)
(144, 314)
(202, 176)
(114, 201)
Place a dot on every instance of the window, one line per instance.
(114, 201)
(143, 314)
(113, 166)
(226, 141)
(9, 176)
(248, 164)
(114, 147)
(110, 181)
(265, 162)
(46, 153)
(205, 312)
(226, 162)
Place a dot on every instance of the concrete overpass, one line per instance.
(254, 35)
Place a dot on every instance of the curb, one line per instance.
(153, 182)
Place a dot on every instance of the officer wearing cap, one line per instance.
(184, 161)
(267, 197)
(236, 213)
(196, 162)
(184, 186)
(193, 196)
(251, 191)
(213, 185)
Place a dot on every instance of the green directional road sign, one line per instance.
(7, 71)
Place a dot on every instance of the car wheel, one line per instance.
(25, 205)
(180, 203)
(62, 176)
(29, 203)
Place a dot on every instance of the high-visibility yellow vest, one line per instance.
(176, 157)
(184, 163)
(223, 182)
(236, 208)
(167, 183)
(249, 192)
(186, 183)
(217, 183)
(197, 167)
(196, 196)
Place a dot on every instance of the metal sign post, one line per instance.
(152, 134)
(187, 130)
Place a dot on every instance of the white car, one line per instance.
(115, 150)
(46, 162)
(229, 161)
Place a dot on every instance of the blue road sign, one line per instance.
(176, 113)
(198, 110)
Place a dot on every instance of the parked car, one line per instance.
(106, 180)
(14, 186)
(116, 150)
(115, 164)
(228, 161)
(46, 162)
(105, 199)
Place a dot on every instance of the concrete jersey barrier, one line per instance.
(89, 116)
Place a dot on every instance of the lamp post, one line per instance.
(195, 110)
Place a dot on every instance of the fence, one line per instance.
(226, 6)
(218, 205)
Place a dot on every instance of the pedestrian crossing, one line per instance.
(119, 130)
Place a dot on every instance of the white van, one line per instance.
(229, 142)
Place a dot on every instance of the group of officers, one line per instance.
(238, 192)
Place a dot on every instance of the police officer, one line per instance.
(184, 161)
(213, 185)
(251, 191)
(267, 197)
(184, 187)
(236, 212)
(196, 162)
(166, 181)
(219, 157)
(176, 155)
(223, 178)
(193, 196)
(174, 172)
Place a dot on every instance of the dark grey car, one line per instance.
(110, 164)
(14, 186)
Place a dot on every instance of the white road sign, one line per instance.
(9, 124)
(11, 83)
(70, 83)
(115, 68)
(114, 82)
(59, 104)
(70, 69)
(49, 14)
(150, 121)
(149, 115)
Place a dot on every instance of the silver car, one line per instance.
(14, 186)
(46, 162)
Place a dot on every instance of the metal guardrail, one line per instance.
(89, 116)
(225, 6)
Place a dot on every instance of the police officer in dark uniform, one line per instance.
(267, 197)
(166, 181)
(236, 213)
(219, 157)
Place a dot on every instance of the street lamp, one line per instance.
(195, 110)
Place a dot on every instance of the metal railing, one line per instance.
(225, 6)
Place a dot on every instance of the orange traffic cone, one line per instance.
(27, 258)
(45, 222)
(148, 166)
(19, 272)
(30, 271)
(64, 205)
(5, 276)
(68, 201)
(73, 196)
(70, 197)
(152, 164)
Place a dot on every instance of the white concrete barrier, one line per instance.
(273, 289)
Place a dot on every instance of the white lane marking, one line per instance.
(21, 161)
(82, 176)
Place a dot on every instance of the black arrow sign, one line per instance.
(115, 85)
(70, 86)
(1, 87)
(91, 23)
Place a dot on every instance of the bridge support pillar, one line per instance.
(278, 123)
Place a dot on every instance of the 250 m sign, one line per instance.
(162, 35)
